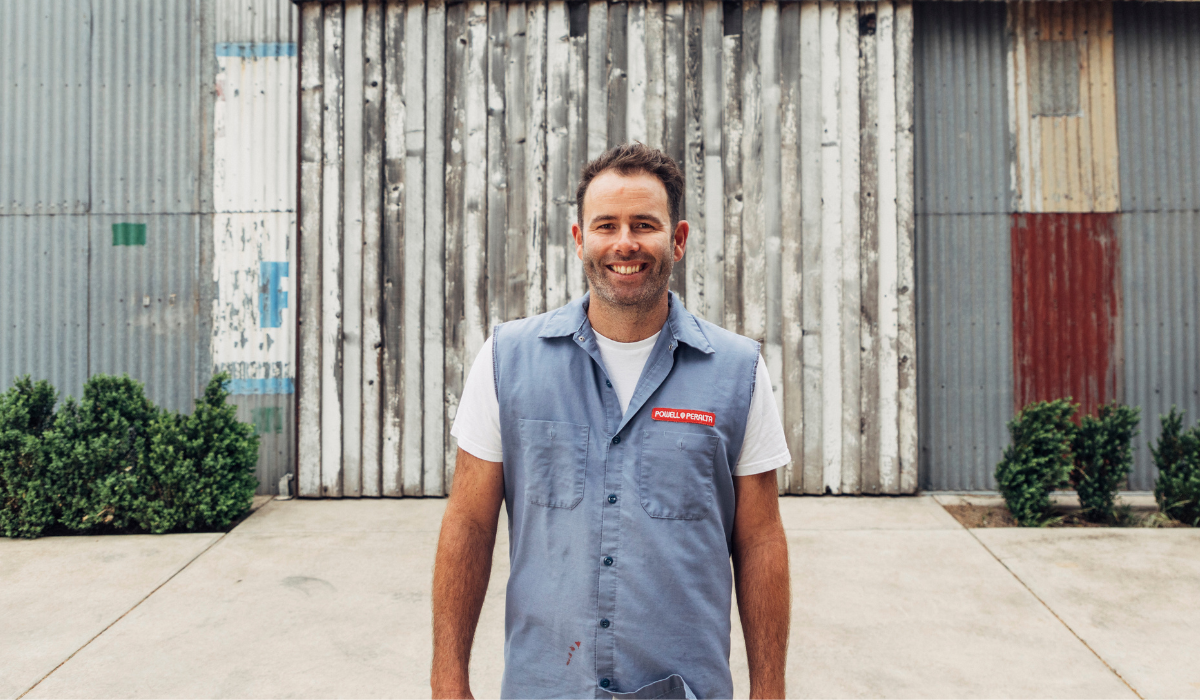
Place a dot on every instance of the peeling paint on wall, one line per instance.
(254, 185)
(252, 322)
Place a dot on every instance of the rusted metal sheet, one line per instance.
(1066, 282)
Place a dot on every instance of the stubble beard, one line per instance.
(644, 298)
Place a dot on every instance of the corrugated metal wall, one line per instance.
(1157, 57)
(964, 205)
(131, 133)
(439, 149)
(1056, 251)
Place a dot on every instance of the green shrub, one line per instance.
(1103, 452)
(96, 448)
(199, 468)
(114, 460)
(1038, 460)
(26, 412)
(1177, 457)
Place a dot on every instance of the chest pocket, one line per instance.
(555, 462)
(675, 474)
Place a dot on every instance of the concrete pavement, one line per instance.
(891, 598)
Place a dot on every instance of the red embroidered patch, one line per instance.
(680, 415)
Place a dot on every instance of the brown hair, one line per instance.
(631, 159)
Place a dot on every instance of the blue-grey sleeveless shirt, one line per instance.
(619, 525)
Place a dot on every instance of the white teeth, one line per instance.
(626, 269)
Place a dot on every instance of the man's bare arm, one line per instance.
(760, 569)
(462, 569)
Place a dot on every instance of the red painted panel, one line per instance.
(1066, 279)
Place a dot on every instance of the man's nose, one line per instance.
(625, 240)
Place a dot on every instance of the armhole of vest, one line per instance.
(754, 369)
(495, 374)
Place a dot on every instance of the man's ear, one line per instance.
(577, 234)
(681, 235)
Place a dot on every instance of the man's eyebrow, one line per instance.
(612, 217)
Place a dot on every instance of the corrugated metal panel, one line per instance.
(253, 294)
(44, 117)
(1157, 57)
(1062, 107)
(477, 124)
(965, 348)
(964, 289)
(256, 21)
(1160, 256)
(963, 142)
(1066, 308)
(44, 300)
(146, 100)
(145, 304)
(274, 419)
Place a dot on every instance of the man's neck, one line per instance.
(627, 324)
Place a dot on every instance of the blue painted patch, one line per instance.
(264, 50)
(271, 299)
(269, 385)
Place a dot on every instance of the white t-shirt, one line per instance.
(477, 423)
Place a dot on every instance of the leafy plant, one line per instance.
(1103, 452)
(1038, 460)
(96, 448)
(199, 467)
(114, 460)
(26, 412)
(1177, 457)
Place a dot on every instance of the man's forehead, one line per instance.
(616, 189)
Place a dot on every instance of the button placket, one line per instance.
(610, 535)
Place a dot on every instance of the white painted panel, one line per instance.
(831, 247)
(254, 128)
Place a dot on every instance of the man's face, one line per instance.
(627, 245)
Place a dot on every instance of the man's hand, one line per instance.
(760, 570)
(462, 569)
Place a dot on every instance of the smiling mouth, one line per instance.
(628, 268)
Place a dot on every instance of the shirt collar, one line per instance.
(570, 319)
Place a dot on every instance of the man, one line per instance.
(623, 435)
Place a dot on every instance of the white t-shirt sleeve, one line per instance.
(477, 422)
(764, 447)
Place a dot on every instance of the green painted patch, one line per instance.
(129, 234)
(268, 419)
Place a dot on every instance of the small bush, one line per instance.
(1039, 459)
(1177, 457)
(200, 468)
(1103, 452)
(115, 461)
(26, 412)
(96, 446)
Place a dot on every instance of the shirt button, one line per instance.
(608, 561)
(612, 498)
(604, 683)
(605, 623)
(617, 440)
(607, 383)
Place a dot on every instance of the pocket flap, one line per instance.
(555, 455)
